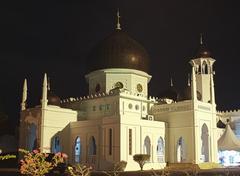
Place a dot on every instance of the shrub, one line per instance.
(38, 164)
(79, 170)
(141, 159)
(118, 167)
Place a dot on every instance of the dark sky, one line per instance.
(56, 37)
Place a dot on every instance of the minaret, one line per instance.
(118, 21)
(203, 70)
(24, 95)
(44, 92)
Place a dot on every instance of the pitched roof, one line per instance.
(228, 141)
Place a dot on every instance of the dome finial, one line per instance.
(201, 39)
(118, 21)
(171, 82)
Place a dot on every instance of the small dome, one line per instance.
(220, 124)
(118, 50)
(203, 52)
(53, 99)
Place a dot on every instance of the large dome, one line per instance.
(118, 50)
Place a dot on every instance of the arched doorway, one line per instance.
(147, 145)
(160, 150)
(205, 144)
(32, 137)
(92, 150)
(77, 150)
(181, 150)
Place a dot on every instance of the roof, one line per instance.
(118, 50)
(228, 141)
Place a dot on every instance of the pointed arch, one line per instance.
(92, 149)
(181, 150)
(32, 136)
(147, 145)
(160, 150)
(205, 143)
(204, 67)
(77, 150)
(56, 144)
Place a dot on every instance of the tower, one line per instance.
(24, 95)
(203, 70)
(204, 116)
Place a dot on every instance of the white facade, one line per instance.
(118, 120)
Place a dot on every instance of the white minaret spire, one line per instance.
(118, 21)
(24, 95)
(44, 92)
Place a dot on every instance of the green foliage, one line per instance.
(37, 164)
(4, 157)
(141, 159)
(79, 170)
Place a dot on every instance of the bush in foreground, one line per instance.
(141, 159)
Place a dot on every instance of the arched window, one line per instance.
(181, 155)
(199, 69)
(204, 68)
(77, 149)
(205, 144)
(32, 136)
(92, 146)
(147, 145)
(160, 150)
(56, 145)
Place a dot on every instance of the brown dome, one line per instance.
(53, 99)
(118, 50)
(203, 52)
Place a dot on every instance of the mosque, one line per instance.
(118, 118)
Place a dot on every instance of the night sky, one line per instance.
(56, 37)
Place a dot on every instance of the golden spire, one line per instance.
(118, 21)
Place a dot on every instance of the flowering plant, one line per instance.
(38, 164)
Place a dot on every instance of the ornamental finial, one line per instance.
(171, 82)
(118, 21)
(201, 38)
